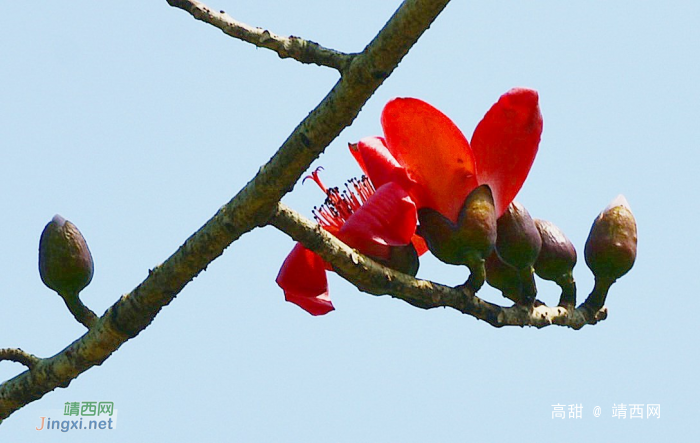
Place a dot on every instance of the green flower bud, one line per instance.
(518, 242)
(557, 256)
(611, 247)
(65, 262)
(468, 241)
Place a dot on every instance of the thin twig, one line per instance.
(19, 356)
(251, 207)
(304, 51)
(377, 279)
(81, 313)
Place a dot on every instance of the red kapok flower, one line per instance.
(424, 148)
(424, 161)
(374, 222)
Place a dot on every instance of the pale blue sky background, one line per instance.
(137, 123)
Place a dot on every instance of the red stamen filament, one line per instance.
(340, 205)
(314, 176)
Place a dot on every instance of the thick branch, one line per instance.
(377, 279)
(251, 207)
(304, 51)
(19, 356)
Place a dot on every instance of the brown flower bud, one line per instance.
(503, 277)
(403, 259)
(65, 262)
(557, 256)
(611, 247)
(518, 242)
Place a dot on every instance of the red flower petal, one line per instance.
(420, 244)
(383, 168)
(355, 151)
(505, 143)
(377, 162)
(387, 218)
(433, 150)
(303, 280)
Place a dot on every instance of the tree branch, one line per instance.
(19, 356)
(376, 279)
(251, 207)
(304, 51)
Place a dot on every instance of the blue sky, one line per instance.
(137, 123)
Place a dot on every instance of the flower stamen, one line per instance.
(340, 205)
(314, 176)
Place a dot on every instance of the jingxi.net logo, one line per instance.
(80, 416)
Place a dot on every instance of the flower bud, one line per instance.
(518, 242)
(468, 241)
(557, 256)
(402, 258)
(65, 262)
(503, 277)
(611, 247)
